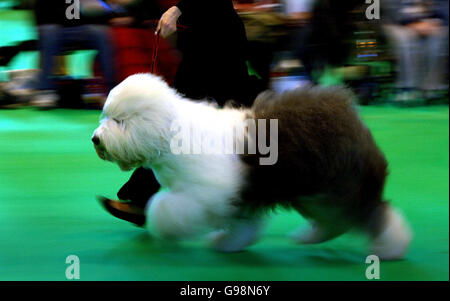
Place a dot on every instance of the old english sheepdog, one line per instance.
(321, 161)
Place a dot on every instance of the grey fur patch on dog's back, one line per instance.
(267, 99)
(323, 148)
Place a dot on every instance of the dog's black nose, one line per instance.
(96, 140)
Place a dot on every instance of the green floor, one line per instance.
(50, 174)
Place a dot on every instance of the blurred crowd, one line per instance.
(392, 51)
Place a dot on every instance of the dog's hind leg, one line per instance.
(389, 232)
(317, 233)
(326, 222)
(237, 235)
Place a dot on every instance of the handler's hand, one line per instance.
(168, 22)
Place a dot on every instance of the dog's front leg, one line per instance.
(175, 215)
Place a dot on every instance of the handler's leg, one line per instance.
(140, 187)
(134, 196)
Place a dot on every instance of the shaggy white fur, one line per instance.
(136, 131)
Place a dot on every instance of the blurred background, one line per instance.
(394, 52)
(55, 74)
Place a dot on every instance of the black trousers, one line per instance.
(140, 187)
(214, 54)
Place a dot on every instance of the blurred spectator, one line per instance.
(299, 15)
(133, 27)
(59, 33)
(299, 11)
(418, 31)
(323, 41)
(266, 33)
(134, 12)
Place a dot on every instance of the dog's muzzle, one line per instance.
(96, 140)
(103, 154)
(98, 148)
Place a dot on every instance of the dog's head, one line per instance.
(135, 121)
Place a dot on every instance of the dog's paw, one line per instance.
(309, 235)
(217, 240)
(241, 236)
(223, 241)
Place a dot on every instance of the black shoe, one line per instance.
(8, 101)
(7, 53)
(125, 211)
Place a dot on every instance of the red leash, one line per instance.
(155, 48)
(155, 51)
